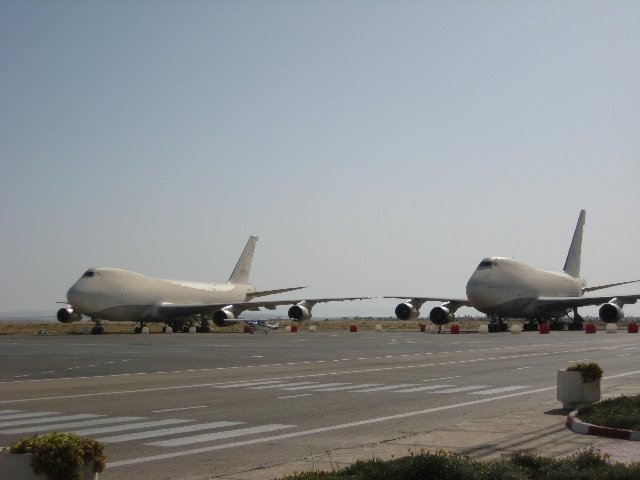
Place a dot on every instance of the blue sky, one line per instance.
(377, 148)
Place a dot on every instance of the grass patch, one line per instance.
(620, 412)
(585, 465)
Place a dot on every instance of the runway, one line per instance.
(203, 406)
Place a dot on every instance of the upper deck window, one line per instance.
(487, 264)
(88, 273)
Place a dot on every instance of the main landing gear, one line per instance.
(496, 324)
(97, 329)
(531, 325)
(577, 323)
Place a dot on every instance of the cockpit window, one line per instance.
(88, 273)
(487, 264)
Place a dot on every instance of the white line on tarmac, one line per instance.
(462, 389)
(296, 396)
(308, 387)
(175, 409)
(379, 389)
(131, 426)
(493, 391)
(321, 429)
(208, 437)
(422, 389)
(48, 420)
(16, 416)
(167, 431)
(65, 427)
(279, 385)
(9, 411)
(349, 387)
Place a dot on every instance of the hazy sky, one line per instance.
(377, 148)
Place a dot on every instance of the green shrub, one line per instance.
(59, 456)
(621, 412)
(584, 465)
(590, 371)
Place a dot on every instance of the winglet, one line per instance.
(572, 264)
(241, 272)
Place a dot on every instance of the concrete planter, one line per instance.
(17, 466)
(572, 390)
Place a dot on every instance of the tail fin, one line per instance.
(241, 272)
(572, 265)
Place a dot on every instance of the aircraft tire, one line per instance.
(137, 330)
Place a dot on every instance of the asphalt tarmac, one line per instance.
(240, 406)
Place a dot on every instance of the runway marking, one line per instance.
(9, 411)
(314, 431)
(70, 426)
(348, 387)
(176, 409)
(462, 389)
(249, 383)
(422, 389)
(131, 426)
(307, 387)
(208, 437)
(279, 385)
(48, 420)
(442, 378)
(500, 390)
(167, 431)
(296, 396)
(16, 416)
(380, 389)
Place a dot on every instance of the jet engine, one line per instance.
(441, 315)
(610, 313)
(298, 313)
(221, 316)
(406, 311)
(67, 315)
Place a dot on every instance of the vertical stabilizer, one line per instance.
(572, 265)
(241, 272)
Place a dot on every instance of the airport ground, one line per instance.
(241, 406)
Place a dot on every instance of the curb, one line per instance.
(576, 425)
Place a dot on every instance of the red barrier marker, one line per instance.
(423, 327)
(294, 328)
(632, 328)
(353, 328)
(544, 328)
(455, 329)
(590, 328)
(247, 329)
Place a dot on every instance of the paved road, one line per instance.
(202, 406)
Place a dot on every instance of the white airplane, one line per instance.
(505, 288)
(120, 295)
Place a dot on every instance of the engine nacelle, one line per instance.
(406, 311)
(67, 315)
(441, 315)
(610, 313)
(221, 316)
(298, 313)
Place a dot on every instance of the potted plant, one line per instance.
(56, 456)
(580, 383)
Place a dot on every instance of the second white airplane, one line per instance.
(505, 288)
(119, 295)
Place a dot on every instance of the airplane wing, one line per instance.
(418, 301)
(274, 292)
(554, 303)
(600, 287)
(185, 310)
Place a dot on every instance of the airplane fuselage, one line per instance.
(506, 288)
(120, 295)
